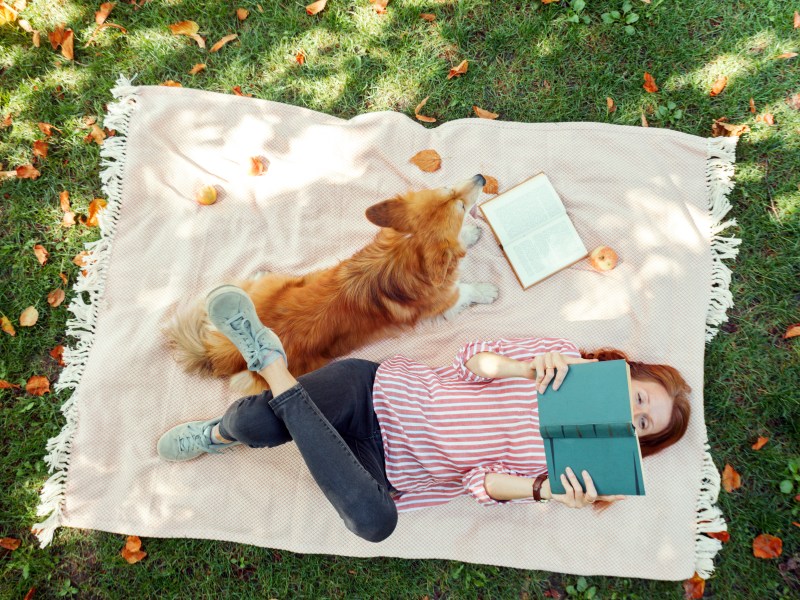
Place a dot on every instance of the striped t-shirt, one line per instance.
(443, 429)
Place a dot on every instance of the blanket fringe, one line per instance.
(719, 179)
(81, 326)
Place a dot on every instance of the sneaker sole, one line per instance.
(223, 289)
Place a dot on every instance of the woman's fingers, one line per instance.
(576, 487)
(549, 372)
(591, 491)
(574, 360)
(562, 370)
(538, 365)
(569, 493)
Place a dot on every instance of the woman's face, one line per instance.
(652, 407)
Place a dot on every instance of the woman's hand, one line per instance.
(574, 495)
(551, 364)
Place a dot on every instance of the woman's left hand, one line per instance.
(574, 496)
(550, 365)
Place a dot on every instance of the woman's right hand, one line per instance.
(574, 495)
(544, 367)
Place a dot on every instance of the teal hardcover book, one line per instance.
(588, 424)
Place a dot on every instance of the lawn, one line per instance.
(528, 62)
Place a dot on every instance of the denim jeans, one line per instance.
(330, 417)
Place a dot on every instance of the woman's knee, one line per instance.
(250, 420)
(376, 524)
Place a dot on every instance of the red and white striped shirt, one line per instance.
(443, 429)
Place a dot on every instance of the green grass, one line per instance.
(526, 63)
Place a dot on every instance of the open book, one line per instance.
(588, 424)
(533, 230)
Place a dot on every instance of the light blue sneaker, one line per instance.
(233, 313)
(189, 440)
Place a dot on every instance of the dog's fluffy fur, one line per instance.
(409, 272)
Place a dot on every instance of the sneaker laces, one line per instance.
(242, 326)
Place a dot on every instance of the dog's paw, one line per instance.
(484, 293)
(470, 234)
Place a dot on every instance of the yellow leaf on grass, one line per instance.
(29, 317)
(379, 6)
(68, 220)
(63, 200)
(792, 331)
(752, 106)
(649, 83)
(96, 135)
(422, 117)
(56, 297)
(767, 118)
(40, 148)
(101, 15)
(41, 253)
(170, 83)
(7, 14)
(610, 106)
(184, 28)
(722, 129)
(430, 17)
(27, 172)
(197, 68)
(427, 160)
(6, 326)
(718, 86)
(58, 354)
(484, 114)
(458, 70)
(241, 13)
(316, 7)
(760, 443)
(80, 258)
(9, 543)
(47, 129)
(228, 38)
(95, 206)
(38, 385)
(731, 480)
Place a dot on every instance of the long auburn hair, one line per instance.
(676, 387)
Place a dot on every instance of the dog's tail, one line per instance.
(188, 334)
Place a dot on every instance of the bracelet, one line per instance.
(537, 487)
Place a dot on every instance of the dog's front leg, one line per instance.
(469, 235)
(469, 294)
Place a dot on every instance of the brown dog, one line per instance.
(409, 272)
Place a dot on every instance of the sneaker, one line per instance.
(189, 440)
(233, 313)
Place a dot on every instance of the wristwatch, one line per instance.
(537, 487)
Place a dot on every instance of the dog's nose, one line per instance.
(480, 179)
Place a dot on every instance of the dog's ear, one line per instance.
(390, 213)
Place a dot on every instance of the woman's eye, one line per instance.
(642, 424)
(639, 398)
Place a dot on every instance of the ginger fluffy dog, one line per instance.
(407, 273)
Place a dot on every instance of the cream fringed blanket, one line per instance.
(657, 196)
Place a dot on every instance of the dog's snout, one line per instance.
(479, 179)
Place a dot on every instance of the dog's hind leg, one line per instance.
(469, 294)
(469, 235)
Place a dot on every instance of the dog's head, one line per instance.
(437, 213)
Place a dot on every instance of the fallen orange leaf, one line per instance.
(644, 121)
(95, 206)
(41, 253)
(610, 106)
(767, 118)
(133, 543)
(4, 385)
(58, 354)
(421, 117)
(101, 15)
(168, 83)
(300, 57)
(760, 443)
(228, 38)
(792, 331)
(649, 83)
(241, 13)
(63, 200)
(36, 41)
(549, 1)
(722, 129)
(80, 258)
(427, 160)
(459, 70)
(9, 543)
(7, 120)
(29, 595)
(6, 326)
(767, 546)
(731, 480)
(316, 7)
(63, 278)
(28, 317)
(722, 536)
(96, 134)
(379, 6)
(38, 385)
(695, 587)
(184, 28)
(484, 114)
(719, 85)
(132, 551)
(796, 20)
(490, 187)
(68, 220)
(197, 68)
(27, 172)
(430, 17)
(200, 40)
(237, 89)
(7, 14)
(752, 106)
(56, 297)
(47, 129)
(40, 148)
(256, 166)
(67, 48)
(787, 55)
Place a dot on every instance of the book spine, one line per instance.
(596, 430)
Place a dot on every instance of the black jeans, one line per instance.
(330, 417)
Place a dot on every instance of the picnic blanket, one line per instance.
(658, 197)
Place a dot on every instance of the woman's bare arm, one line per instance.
(495, 366)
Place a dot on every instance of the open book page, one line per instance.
(544, 251)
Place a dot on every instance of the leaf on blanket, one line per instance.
(421, 117)
(40, 148)
(379, 6)
(316, 7)
(792, 331)
(47, 129)
(80, 258)
(41, 253)
(9, 543)
(6, 326)
(37, 385)
(28, 317)
(96, 135)
(722, 536)
(760, 443)
(258, 164)
(206, 195)
(722, 129)
(228, 38)
(241, 13)
(767, 546)
(610, 106)
(58, 354)
(101, 15)
(490, 187)
(5, 385)
(132, 551)
(197, 68)
(731, 480)
(649, 83)
(27, 172)
(695, 587)
(95, 206)
(184, 28)
(427, 160)
(56, 297)
(484, 114)
(458, 70)
(718, 86)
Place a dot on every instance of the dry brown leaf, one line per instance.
(101, 15)
(794, 101)
(787, 55)
(63, 201)
(37, 385)
(171, 83)
(6, 122)
(241, 13)
(29, 317)
(132, 551)
(257, 166)
(427, 160)
(36, 40)
(767, 546)
(67, 45)
(484, 114)
(68, 220)
(694, 588)
(41, 253)
(56, 297)
(491, 186)
(649, 83)
(722, 129)
(379, 6)
(6, 326)
(197, 68)
(100, 28)
(63, 278)
(8, 175)
(316, 7)
(27, 172)
(9, 543)
(752, 106)
(261, 10)
(421, 117)
(644, 121)
(80, 258)
(237, 89)
(459, 70)
(200, 40)
(760, 443)
(549, 1)
(796, 20)
(5, 385)
(40, 148)
(95, 206)
(56, 36)
(767, 118)
(47, 129)
(184, 28)
(722, 536)
(96, 135)
(300, 57)
(228, 38)
(718, 86)
(731, 480)
(25, 25)
(58, 354)
(792, 331)
(610, 106)
(7, 14)
(430, 17)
